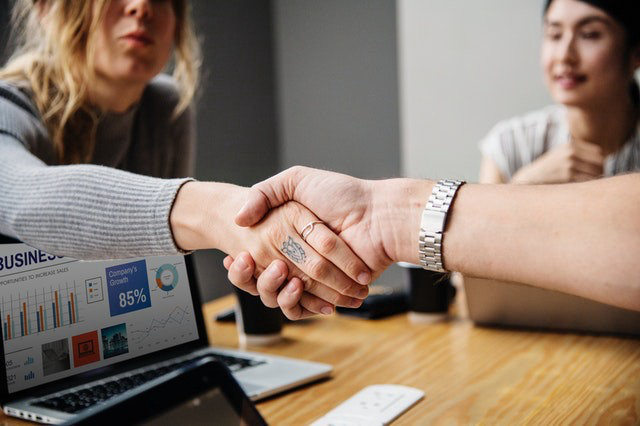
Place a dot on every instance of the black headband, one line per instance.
(626, 12)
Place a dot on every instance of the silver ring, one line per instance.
(308, 229)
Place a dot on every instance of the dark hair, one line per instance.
(627, 14)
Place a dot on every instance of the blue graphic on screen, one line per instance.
(128, 287)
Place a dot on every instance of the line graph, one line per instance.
(178, 316)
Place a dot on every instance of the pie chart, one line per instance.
(167, 277)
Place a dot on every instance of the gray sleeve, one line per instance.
(83, 211)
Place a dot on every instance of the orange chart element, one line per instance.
(85, 348)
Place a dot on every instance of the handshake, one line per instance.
(308, 240)
(344, 233)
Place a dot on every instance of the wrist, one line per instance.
(399, 204)
(203, 214)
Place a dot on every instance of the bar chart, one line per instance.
(40, 310)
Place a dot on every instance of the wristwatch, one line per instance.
(434, 219)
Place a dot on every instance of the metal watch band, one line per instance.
(434, 218)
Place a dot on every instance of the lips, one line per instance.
(569, 80)
(139, 37)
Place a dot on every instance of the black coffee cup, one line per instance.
(429, 293)
(257, 324)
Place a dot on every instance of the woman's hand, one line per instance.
(274, 290)
(573, 162)
(202, 217)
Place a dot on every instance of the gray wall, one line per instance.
(337, 85)
(464, 65)
(4, 29)
(236, 108)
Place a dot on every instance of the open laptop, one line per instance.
(492, 302)
(76, 333)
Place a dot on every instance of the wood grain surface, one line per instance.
(470, 374)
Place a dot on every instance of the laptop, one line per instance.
(503, 303)
(205, 386)
(77, 333)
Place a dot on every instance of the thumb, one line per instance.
(270, 194)
(254, 209)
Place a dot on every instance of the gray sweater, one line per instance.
(118, 206)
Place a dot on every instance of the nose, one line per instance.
(567, 52)
(140, 9)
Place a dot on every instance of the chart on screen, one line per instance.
(60, 316)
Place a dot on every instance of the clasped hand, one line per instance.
(355, 210)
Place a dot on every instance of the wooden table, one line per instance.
(471, 375)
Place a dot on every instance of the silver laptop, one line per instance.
(77, 333)
(492, 302)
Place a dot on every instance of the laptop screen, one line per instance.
(60, 317)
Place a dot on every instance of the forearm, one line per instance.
(83, 211)
(582, 239)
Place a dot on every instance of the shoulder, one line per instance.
(19, 116)
(552, 115)
(519, 140)
(18, 95)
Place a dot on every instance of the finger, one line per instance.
(312, 264)
(582, 177)
(240, 273)
(315, 305)
(305, 259)
(581, 167)
(269, 194)
(227, 261)
(289, 300)
(334, 249)
(269, 282)
(329, 295)
(589, 153)
(319, 298)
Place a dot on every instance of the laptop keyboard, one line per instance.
(80, 399)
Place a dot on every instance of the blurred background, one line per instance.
(372, 88)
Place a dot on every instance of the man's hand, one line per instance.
(378, 220)
(344, 203)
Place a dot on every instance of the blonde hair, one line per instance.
(55, 62)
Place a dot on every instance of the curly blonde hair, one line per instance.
(54, 62)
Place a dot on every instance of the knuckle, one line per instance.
(335, 298)
(268, 300)
(292, 314)
(326, 243)
(352, 267)
(341, 300)
(318, 268)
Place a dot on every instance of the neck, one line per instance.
(115, 96)
(608, 126)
